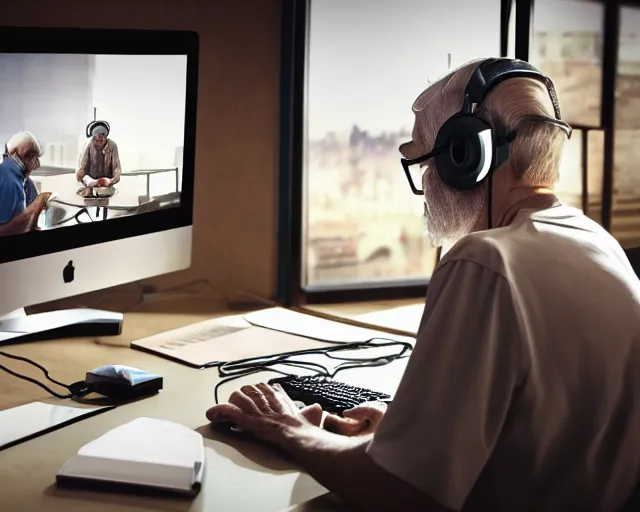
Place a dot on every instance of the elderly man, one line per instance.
(99, 164)
(20, 207)
(522, 390)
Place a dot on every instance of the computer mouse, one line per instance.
(227, 428)
(120, 381)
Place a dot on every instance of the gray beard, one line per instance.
(449, 214)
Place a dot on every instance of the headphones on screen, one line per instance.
(94, 124)
(470, 149)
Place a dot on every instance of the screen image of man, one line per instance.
(20, 205)
(99, 164)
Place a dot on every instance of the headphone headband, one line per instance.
(93, 124)
(492, 72)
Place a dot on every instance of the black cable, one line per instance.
(76, 390)
(490, 200)
(232, 370)
(230, 367)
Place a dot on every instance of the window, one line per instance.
(368, 60)
(567, 46)
(570, 188)
(625, 222)
(595, 172)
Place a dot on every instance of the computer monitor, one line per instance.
(113, 113)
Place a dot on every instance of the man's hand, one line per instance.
(44, 198)
(266, 412)
(359, 421)
(104, 182)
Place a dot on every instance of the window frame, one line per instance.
(291, 191)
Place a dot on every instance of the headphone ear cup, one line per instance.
(468, 148)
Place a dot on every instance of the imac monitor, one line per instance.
(97, 130)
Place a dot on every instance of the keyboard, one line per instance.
(333, 396)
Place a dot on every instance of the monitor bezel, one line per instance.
(110, 42)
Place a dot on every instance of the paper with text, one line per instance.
(221, 339)
(259, 334)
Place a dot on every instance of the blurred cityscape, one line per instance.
(363, 223)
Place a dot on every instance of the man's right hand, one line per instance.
(359, 421)
(43, 197)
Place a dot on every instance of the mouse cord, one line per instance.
(233, 370)
(76, 390)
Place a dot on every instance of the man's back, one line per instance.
(574, 427)
(522, 391)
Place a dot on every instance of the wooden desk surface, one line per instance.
(239, 476)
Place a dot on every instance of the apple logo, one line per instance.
(68, 272)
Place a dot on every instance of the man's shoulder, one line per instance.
(10, 181)
(12, 166)
(529, 233)
(477, 249)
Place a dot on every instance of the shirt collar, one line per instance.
(15, 165)
(19, 161)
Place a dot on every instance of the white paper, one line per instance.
(29, 419)
(260, 334)
(194, 334)
(310, 326)
(149, 440)
(403, 318)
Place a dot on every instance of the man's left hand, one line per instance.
(266, 412)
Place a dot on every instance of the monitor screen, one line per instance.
(97, 158)
(89, 138)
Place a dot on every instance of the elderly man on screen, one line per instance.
(20, 204)
(522, 391)
(99, 164)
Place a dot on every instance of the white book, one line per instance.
(149, 453)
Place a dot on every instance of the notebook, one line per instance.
(146, 454)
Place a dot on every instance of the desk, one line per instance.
(130, 198)
(50, 170)
(123, 200)
(240, 476)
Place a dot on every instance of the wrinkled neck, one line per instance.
(529, 198)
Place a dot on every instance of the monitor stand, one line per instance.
(17, 326)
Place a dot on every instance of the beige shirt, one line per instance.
(523, 391)
(100, 163)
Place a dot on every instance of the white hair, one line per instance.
(22, 143)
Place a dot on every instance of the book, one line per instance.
(145, 455)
